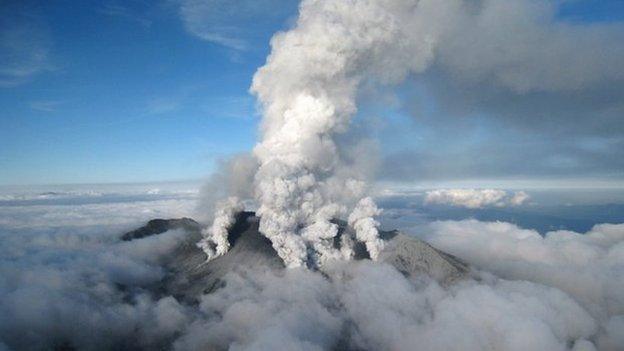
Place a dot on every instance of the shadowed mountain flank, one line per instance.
(159, 226)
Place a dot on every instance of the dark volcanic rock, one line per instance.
(159, 226)
(189, 275)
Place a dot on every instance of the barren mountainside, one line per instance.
(189, 275)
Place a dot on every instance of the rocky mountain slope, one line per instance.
(189, 275)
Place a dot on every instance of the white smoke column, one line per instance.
(361, 220)
(215, 242)
(308, 90)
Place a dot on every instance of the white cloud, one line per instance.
(475, 198)
(588, 266)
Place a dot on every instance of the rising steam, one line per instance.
(225, 216)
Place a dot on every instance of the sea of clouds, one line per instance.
(67, 280)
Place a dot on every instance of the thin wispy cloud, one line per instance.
(24, 48)
(208, 21)
(232, 25)
(123, 12)
(46, 105)
(163, 105)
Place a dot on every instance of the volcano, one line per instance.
(190, 275)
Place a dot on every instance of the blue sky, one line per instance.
(125, 93)
(136, 91)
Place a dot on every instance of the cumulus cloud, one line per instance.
(475, 198)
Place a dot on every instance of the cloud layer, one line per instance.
(372, 306)
(67, 280)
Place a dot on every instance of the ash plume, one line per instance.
(309, 86)
(307, 91)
